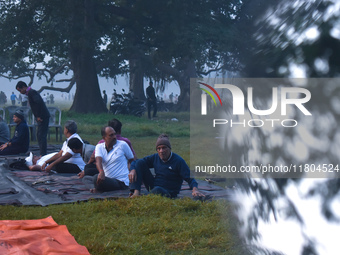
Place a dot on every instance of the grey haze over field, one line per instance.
(105, 84)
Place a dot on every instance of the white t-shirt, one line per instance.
(24, 98)
(115, 162)
(76, 157)
(43, 159)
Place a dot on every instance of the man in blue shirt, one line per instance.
(20, 141)
(13, 98)
(170, 171)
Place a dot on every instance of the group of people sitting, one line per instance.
(112, 164)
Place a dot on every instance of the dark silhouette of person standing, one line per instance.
(105, 98)
(151, 100)
(40, 112)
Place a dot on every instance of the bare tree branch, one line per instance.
(32, 72)
(64, 80)
(67, 89)
(52, 73)
(210, 71)
(15, 78)
(31, 76)
(219, 66)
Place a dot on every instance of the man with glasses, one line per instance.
(170, 171)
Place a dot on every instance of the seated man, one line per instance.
(113, 158)
(117, 126)
(20, 141)
(90, 168)
(85, 150)
(170, 171)
(66, 161)
(4, 132)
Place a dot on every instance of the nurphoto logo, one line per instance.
(282, 96)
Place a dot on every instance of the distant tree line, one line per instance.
(160, 40)
(169, 40)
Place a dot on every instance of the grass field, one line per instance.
(146, 225)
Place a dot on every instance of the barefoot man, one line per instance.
(113, 158)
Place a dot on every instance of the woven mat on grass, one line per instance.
(23, 187)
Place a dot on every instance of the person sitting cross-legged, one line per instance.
(90, 167)
(170, 171)
(113, 158)
(20, 141)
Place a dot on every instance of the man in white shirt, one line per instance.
(34, 163)
(66, 161)
(113, 158)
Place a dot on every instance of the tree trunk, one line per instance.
(184, 84)
(88, 97)
(136, 78)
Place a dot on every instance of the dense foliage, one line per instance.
(166, 40)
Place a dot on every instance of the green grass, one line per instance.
(149, 224)
(132, 126)
(142, 132)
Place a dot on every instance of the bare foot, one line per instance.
(136, 193)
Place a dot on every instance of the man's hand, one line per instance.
(39, 119)
(133, 175)
(81, 174)
(197, 193)
(48, 168)
(3, 146)
(43, 166)
(101, 177)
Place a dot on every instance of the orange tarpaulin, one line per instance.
(43, 236)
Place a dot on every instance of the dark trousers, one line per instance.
(154, 104)
(91, 169)
(12, 150)
(145, 176)
(109, 184)
(42, 136)
(67, 168)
